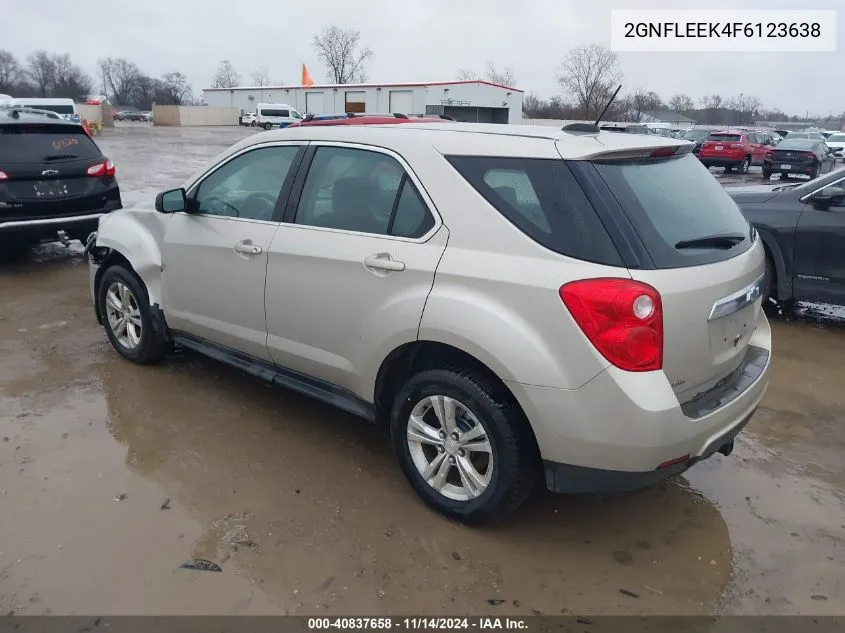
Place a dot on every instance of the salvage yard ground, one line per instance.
(113, 475)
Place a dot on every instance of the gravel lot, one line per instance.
(113, 475)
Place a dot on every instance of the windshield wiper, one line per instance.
(722, 240)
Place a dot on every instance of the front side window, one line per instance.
(363, 191)
(247, 186)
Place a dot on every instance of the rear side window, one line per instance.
(676, 200)
(727, 138)
(541, 198)
(281, 113)
(38, 143)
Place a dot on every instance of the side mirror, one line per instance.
(172, 201)
(828, 197)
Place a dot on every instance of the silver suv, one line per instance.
(508, 300)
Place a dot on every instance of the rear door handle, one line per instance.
(246, 247)
(383, 261)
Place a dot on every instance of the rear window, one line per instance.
(797, 143)
(542, 199)
(45, 143)
(674, 200)
(727, 138)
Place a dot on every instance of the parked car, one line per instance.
(803, 230)
(146, 115)
(248, 119)
(132, 115)
(836, 142)
(733, 149)
(817, 136)
(55, 182)
(269, 115)
(799, 156)
(368, 119)
(508, 300)
(66, 108)
(697, 136)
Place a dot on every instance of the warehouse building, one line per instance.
(470, 101)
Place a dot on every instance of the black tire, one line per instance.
(784, 175)
(766, 174)
(815, 172)
(267, 126)
(744, 166)
(728, 170)
(252, 124)
(152, 345)
(516, 459)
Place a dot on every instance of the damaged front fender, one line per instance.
(135, 234)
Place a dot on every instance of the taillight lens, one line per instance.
(735, 145)
(101, 170)
(622, 318)
(4, 175)
(809, 155)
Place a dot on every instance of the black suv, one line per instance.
(55, 182)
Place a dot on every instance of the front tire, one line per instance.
(127, 317)
(466, 450)
(267, 126)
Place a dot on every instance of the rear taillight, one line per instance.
(622, 318)
(4, 175)
(101, 170)
(808, 155)
(735, 145)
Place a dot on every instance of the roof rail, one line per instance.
(15, 112)
(581, 128)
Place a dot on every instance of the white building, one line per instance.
(471, 101)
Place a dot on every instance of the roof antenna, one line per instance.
(616, 92)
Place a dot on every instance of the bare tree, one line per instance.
(636, 106)
(41, 71)
(745, 108)
(260, 77)
(69, 80)
(121, 77)
(504, 77)
(339, 51)
(226, 76)
(11, 73)
(175, 89)
(681, 103)
(589, 74)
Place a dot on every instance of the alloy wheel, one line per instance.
(450, 448)
(124, 315)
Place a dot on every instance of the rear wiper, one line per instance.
(60, 156)
(723, 240)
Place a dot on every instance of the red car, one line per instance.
(734, 148)
(370, 119)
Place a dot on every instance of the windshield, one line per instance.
(797, 143)
(676, 200)
(39, 143)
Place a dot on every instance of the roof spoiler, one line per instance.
(581, 128)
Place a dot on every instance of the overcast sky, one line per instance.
(418, 41)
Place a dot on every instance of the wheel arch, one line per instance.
(127, 237)
(783, 282)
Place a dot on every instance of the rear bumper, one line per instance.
(798, 167)
(720, 161)
(79, 227)
(616, 432)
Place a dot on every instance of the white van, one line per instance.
(269, 114)
(65, 108)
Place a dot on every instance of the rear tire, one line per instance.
(766, 174)
(815, 172)
(510, 462)
(744, 165)
(125, 307)
(267, 126)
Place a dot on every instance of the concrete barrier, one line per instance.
(187, 116)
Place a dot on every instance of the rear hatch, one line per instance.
(718, 144)
(53, 170)
(695, 247)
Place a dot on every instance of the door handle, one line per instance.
(383, 261)
(246, 247)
